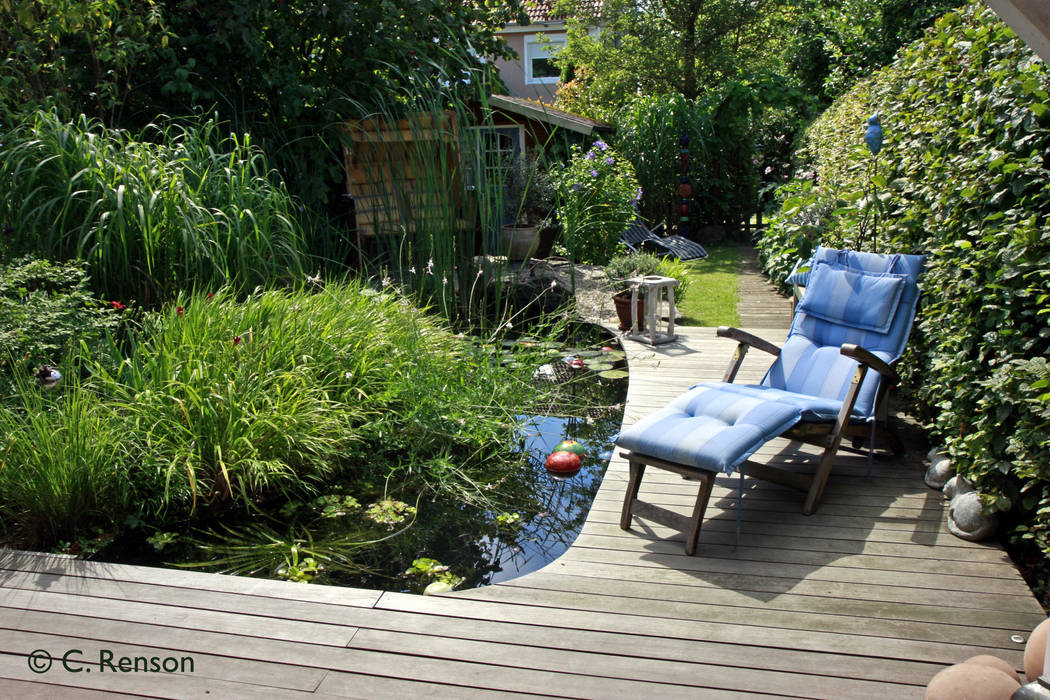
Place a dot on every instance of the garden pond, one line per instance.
(424, 543)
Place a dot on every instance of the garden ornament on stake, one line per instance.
(873, 137)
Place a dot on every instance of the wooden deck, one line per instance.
(868, 598)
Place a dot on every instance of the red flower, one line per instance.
(210, 295)
(117, 305)
(236, 340)
(179, 310)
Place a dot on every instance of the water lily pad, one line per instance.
(600, 366)
(614, 356)
(613, 374)
(588, 353)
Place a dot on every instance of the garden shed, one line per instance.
(429, 166)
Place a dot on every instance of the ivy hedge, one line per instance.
(964, 177)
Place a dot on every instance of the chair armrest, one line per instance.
(744, 341)
(745, 338)
(866, 358)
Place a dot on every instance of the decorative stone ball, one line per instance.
(971, 681)
(571, 446)
(940, 471)
(956, 486)
(994, 662)
(934, 451)
(965, 519)
(563, 463)
(1035, 651)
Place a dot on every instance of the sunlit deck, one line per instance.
(868, 598)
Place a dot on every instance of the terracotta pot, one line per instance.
(622, 301)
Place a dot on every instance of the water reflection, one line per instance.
(564, 502)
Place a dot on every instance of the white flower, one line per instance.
(430, 266)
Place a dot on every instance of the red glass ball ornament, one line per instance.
(563, 463)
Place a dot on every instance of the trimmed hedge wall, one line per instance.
(964, 177)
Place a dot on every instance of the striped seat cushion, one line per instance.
(709, 428)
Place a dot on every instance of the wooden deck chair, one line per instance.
(855, 316)
(637, 236)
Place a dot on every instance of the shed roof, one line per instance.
(538, 111)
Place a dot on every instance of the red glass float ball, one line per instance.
(563, 462)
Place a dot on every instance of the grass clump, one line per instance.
(218, 403)
(174, 207)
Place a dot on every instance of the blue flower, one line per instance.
(576, 186)
(609, 160)
(638, 195)
(594, 173)
(600, 145)
(591, 155)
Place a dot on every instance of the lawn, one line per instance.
(712, 296)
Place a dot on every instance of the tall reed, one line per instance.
(175, 207)
(433, 202)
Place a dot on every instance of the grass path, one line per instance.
(713, 289)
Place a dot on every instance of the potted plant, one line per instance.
(624, 267)
(528, 202)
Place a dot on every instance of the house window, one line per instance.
(539, 69)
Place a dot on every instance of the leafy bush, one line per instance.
(46, 309)
(175, 208)
(735, 133)
(597, 193)
(221, 403)
(963, 178)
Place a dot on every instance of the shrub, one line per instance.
(963, 178)
(46, 310)
(597, 193)
(175, 207)
(735, 133)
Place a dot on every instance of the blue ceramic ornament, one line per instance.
(873, 135)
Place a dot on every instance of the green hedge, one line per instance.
(964, 177)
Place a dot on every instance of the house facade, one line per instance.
(533, 75)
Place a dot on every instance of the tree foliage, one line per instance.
(288, 73)
(834, 43)
(668, 46)
(964, 177)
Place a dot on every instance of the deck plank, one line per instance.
(867, 598)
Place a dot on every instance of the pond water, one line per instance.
(324, 540)
(566, 500)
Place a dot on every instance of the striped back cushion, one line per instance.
(862, 298)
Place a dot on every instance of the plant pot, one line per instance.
(622, 301)
(546, 244)
(518, 242)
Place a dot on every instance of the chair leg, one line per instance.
(633, 484)
(707, 482)
(820, 477)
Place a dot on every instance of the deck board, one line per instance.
(867, 598)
